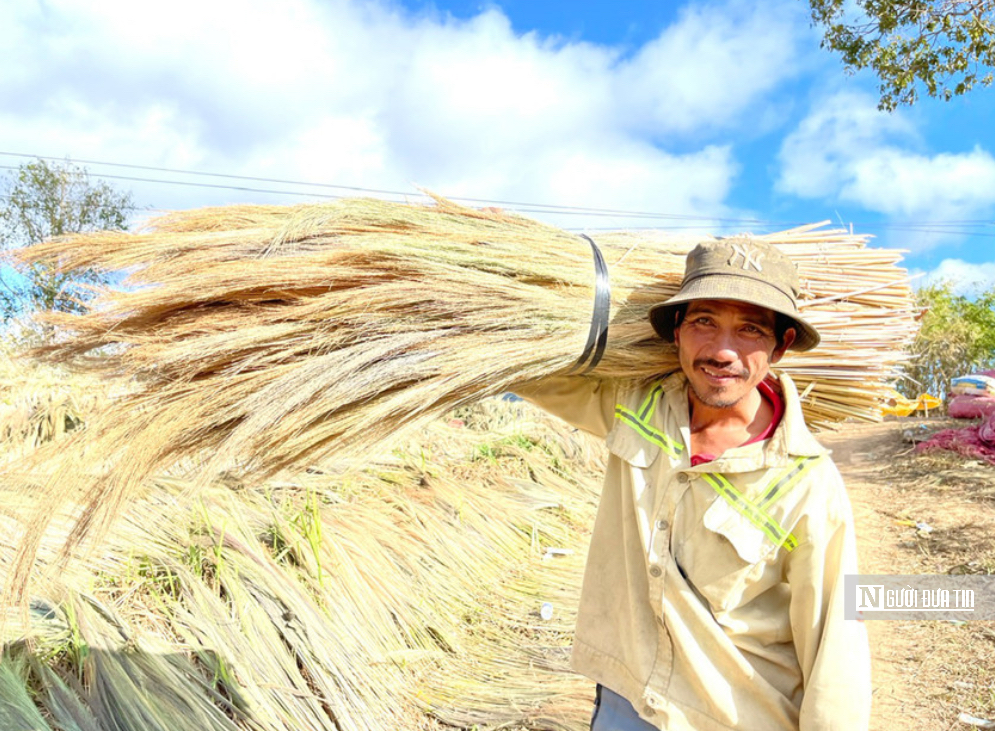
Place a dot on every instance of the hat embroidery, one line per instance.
(750, 258)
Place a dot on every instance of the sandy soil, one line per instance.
(926, 673)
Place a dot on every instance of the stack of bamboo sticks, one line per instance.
(264, 337)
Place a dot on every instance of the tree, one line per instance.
(956, 338)
(41, 200)
(944, 46)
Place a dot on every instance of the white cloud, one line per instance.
(817, 159)
(901, 183)
(708, 69)
(847, 151)
(366, 94)
(967, 278)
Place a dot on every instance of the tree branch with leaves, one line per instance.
(42, 200)
(956, 338)
(942, 46)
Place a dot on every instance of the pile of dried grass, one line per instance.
(401, 595)
(40, 403)
(265, 337)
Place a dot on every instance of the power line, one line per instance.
(533, 207)
(207, 174)
(937, 226)
(187, 183)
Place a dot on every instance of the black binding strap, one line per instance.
(597, 339)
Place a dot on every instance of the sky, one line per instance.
(722, 117)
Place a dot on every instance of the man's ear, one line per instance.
(677, 326)
(789, 337)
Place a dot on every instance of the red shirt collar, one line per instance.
(774, 398)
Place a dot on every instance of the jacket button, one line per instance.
(655, 571)
(662, 524)
(682, 478)
(648, 711)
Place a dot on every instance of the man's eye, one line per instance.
(754, 330)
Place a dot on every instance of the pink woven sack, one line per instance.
(971, 407)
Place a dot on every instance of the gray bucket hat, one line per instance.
(743, 269)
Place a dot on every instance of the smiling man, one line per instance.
(713, 593)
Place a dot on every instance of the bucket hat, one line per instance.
(743, 269)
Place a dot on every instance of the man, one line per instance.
(713, 593)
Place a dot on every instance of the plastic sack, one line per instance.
(986, 432)
(977, 385)
(971, 407)
(973, 442)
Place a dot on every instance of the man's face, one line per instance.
(726, 348)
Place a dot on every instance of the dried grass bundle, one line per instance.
(265, 337)
(364, 599)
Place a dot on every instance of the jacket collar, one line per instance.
(793, 437)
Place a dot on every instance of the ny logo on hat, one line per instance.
(750, 259)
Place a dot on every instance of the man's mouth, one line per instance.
(719, 375)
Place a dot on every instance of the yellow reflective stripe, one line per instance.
(650, 433)
(751, 512)
(783, 483)
(649, 405)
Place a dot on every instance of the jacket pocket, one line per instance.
(750, 542)
(728, 558)
(749, 527)
(737, 543)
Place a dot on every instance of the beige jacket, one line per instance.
(713, 595)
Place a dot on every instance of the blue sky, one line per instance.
(720, 117)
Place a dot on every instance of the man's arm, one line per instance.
(833, 652)
(586, 403)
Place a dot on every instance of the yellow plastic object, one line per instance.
(897, 405)
(903, 409)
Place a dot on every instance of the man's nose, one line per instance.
(724, 346)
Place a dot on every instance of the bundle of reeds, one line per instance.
(265, 337)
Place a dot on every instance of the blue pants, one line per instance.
(613, 713)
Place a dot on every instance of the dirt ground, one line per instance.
(926, 673)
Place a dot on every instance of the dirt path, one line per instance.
(925, 673)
